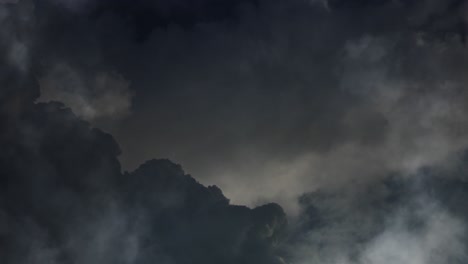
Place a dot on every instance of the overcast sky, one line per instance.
(341, 124)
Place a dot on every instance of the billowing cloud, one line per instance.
(63, 199)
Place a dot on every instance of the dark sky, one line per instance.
(341, 124)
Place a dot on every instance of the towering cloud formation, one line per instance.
(63, 199)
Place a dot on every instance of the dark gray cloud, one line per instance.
(63, 199)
